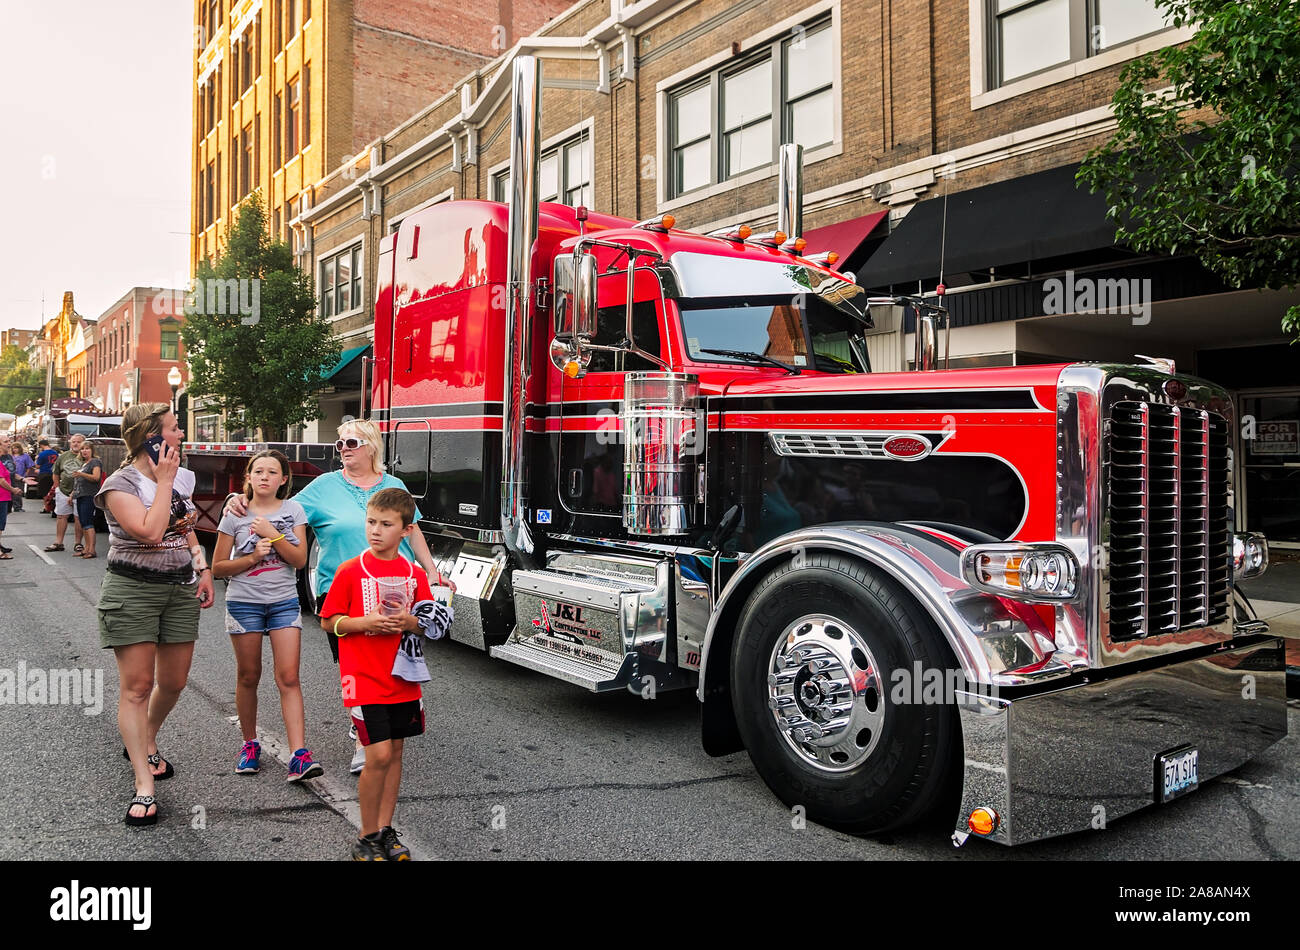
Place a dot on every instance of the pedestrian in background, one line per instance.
(261, 552)
(65, 467)
(23, 464)
(83, 496)
(45, 458)
(157, 580)
(7, 490)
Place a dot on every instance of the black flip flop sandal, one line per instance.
(154, 761)
(146, 819)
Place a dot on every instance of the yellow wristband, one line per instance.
(280, 538)
(336, 628)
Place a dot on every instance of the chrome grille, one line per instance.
(1169, 539)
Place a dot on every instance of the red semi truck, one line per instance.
(653, 459)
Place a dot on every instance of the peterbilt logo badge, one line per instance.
(907, 448)
(1175, 390)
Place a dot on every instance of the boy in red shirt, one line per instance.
(380, 606)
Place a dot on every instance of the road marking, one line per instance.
(41, 554)
(340, 798)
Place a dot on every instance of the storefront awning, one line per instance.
(1031, 218)
(843, 237)
(346, 359)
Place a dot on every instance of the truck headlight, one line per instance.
(1249, 555)
(1045, 573)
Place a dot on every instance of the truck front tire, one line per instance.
(828, 723)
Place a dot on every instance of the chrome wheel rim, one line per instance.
(825, 693)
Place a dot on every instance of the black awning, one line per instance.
(1031, 218)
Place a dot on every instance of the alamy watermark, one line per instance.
(36, 686)
(1100, 295)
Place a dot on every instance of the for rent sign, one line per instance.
(1279, 437)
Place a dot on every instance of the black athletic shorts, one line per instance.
(380, 721)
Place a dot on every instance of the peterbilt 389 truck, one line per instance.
(653, 459)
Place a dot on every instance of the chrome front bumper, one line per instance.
(1075, 758)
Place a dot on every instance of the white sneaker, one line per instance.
(358, 760)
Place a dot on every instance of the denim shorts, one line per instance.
(243, 617)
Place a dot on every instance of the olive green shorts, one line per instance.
(132, 611)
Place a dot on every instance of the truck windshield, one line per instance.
(804, 331)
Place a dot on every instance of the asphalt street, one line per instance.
(514, 765)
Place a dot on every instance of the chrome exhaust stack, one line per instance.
(525, 132)
(789, 203)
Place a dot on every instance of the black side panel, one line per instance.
(780, 494)
(463, 481)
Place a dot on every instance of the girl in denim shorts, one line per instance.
(261, 552)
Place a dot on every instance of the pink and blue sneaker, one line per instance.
(249, 758)
(301, 766)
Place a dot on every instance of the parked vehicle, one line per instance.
(653, 459)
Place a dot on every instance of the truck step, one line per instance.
(597, 677)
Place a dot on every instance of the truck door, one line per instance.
(590, 476)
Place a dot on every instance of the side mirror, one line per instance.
(584, 297)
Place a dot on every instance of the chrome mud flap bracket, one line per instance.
(1075, 758)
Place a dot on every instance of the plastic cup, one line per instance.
(394, 598)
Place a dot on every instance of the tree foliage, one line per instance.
(1209, 167)
(252, 337)
(16, 371)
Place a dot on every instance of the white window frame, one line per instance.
(665, 87)
(396, 221)
(335, 251)
(555, 143)
(984, 93)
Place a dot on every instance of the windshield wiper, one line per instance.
(754, 358)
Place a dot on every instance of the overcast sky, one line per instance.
(95, 151)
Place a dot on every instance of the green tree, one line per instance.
(16, 371)
(1210, 167)
(252, 337)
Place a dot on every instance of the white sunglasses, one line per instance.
(350, 443)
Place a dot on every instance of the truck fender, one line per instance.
(994, 641)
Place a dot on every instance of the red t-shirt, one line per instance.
(366, 660)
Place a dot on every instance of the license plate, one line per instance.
(1176, 773)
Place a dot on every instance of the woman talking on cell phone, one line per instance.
(157, 581)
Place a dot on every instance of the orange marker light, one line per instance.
(831, 258)
(669, 221)
(779, 237)
(982, 821)
(745, 231)
(571, 369)
(799, 245)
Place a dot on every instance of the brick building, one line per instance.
(18, 338)
(137, 341)
(941, 138)
(286, 90)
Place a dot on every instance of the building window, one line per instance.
(564, 173)
(208, 205)
(277, 121)
(246, 60)
(257, 150)
(306, 104)
(256, 31)
(291, 17)
(1029, 36)
(736, 117)
(340, 282)
(277, 25)
(205, 427)
(246, 161)
(169, 345)
(292, 92)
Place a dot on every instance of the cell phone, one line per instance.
(153, 445)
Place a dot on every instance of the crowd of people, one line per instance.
(374, 604)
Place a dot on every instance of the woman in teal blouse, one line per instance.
(336, 510)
